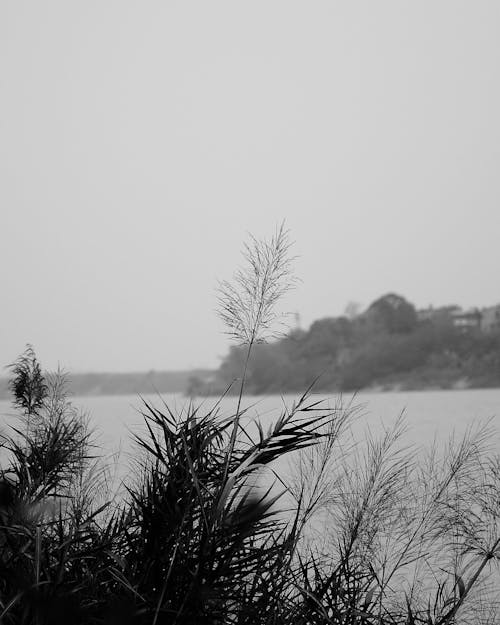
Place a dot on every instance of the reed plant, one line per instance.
(212, 530)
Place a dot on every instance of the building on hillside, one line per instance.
(467, 320)
(425, 314)
(487, 319)
(490, 319)
(440, 314)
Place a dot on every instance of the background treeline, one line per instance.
(388, 346)
(125, 383)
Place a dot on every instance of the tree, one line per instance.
(393, 313)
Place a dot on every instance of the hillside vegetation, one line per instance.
(389, 346)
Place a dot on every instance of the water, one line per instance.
(428, 414)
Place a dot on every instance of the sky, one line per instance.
(141, 143)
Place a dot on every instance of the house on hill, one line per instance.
(467, 320)
(440, 314)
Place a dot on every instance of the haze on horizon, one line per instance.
(141, 141)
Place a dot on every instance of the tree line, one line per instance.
(386, 346)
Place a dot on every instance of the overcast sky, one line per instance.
(140, 142)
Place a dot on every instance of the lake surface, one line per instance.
(428, 414)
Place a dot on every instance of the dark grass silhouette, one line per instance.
(195, 541)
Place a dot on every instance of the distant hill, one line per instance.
(391, 345)
(127, 383)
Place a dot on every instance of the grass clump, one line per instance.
(210, 531)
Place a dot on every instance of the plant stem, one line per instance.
(232, 440)
(450, 616)
(244, 376)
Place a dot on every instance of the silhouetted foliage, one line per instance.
(197, 538)
(27, 383)
(393, 313)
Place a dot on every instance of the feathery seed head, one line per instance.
(247, 305)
